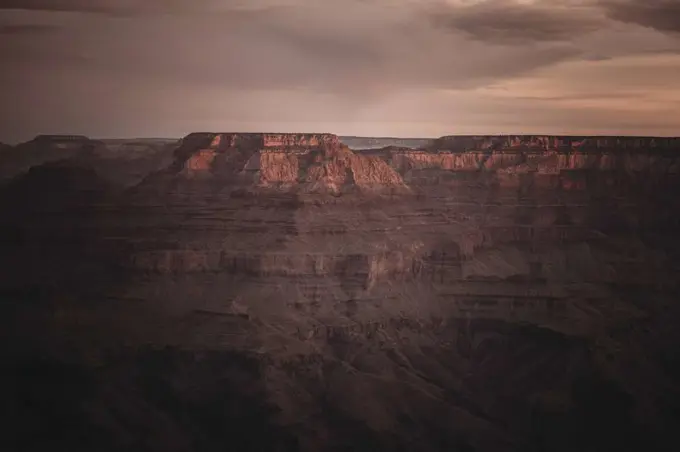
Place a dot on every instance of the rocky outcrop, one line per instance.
(551, 163)
(301, 163)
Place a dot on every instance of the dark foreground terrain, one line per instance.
(281, 292)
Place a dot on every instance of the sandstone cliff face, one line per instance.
(547, 153)
(460, 143)
(305, 163)
(503, 283)
(561, 163)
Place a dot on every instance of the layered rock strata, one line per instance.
(449, 297)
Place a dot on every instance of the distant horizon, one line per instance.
(376, 137)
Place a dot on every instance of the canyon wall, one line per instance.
(468, 290)
(542, 231)
(466, 143)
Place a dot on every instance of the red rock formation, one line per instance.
(306, 163)
(540, 161)
(311, 163)
(201, 161)
(338, 168)
(276, 167)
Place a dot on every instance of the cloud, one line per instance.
(360, 50)
(514, 22)
(94, 6)
(589, 86)
(27, 29)
(126, 8)
(661, 15)
(597, 57)
(129, 66)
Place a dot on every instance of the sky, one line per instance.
(409, 68)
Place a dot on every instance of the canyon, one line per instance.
(268, 291)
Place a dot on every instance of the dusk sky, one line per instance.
(164, 68)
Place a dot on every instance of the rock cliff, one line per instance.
(305, 163)
(485, 293)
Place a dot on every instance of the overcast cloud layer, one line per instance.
(362, 67)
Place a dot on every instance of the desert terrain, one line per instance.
(307, 292)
